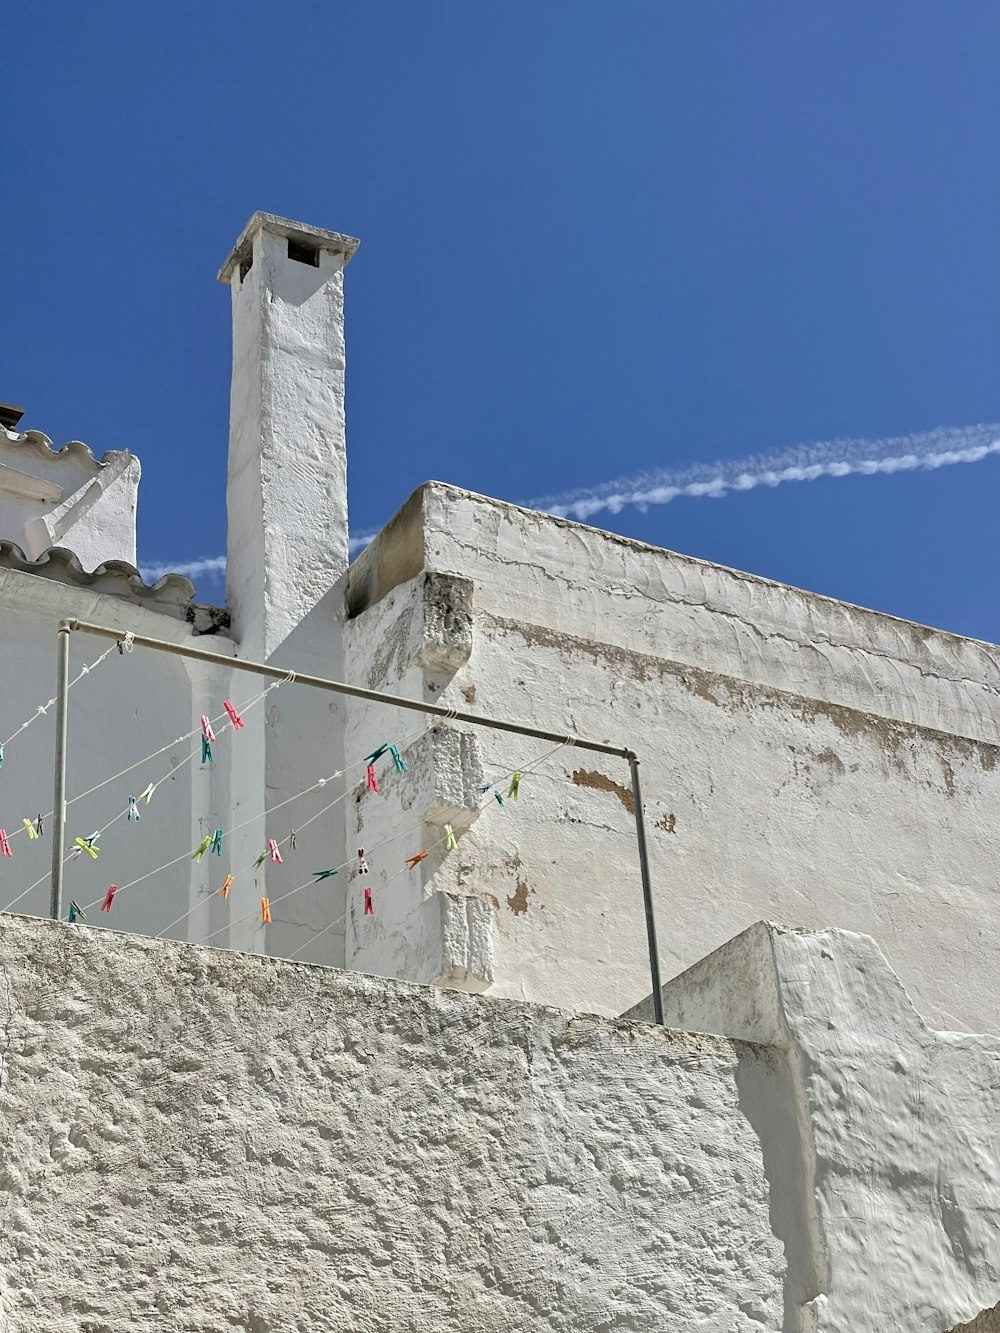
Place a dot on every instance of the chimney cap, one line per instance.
(10, 415)
(320, 239)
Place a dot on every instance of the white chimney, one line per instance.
(287, 487)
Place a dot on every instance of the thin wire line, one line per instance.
(42, 709)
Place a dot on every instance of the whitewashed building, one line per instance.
(803, 760)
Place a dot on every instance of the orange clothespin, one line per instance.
(225, 886)
(265, 911)
(414, 861)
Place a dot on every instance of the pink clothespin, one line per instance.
(4, 844)
(273, 851)
(372, 780)
(234, 717)
(369, 910)
(109, 897)
(362, 863)
(206, 728)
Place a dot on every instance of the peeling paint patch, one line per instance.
(518, 902)
(584, 777)
(469, 694)
(668, 823)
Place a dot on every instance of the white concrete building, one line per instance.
(262, 1146)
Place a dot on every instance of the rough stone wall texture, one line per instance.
(802, 759)
(197, 1140)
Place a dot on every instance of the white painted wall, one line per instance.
(802, 759)
(67, 498)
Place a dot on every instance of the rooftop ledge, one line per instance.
(321, 239)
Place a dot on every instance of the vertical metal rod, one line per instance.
(647, 893)
(59, 796)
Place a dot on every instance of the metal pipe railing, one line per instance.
(67, 627)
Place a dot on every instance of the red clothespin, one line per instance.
(109, 897)
(234, 717)
(206, 728)
(265, 911)
(273, 852)
(5, 844)
(362, 863)
(372, 780)
(369, 910)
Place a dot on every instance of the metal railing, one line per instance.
(68, 627)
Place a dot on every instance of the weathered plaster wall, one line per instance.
(68, 498)
(895, 1147)
(195, 1140)
(801, 758)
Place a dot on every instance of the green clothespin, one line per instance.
(515, 783)
(201, 849)
(324, 874)
(450, 845)
(260, 859)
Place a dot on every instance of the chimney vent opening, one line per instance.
(246, 261)
(303, 254)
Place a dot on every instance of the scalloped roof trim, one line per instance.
(42, 445)
(60, 563)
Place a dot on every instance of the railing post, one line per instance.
(59, 795)
(647, 892)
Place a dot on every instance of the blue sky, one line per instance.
(596, 241)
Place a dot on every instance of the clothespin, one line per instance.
(234, 717)
(376, 754)
(206, 728)
(147, 795)
(324, 874)
(398, 759)
(273, 852)
(87, 845)
(217, 842)
(265, 911)
(515, 783)
(206, 752)
(450, 844)
(109, 897)
(291, 841)
(1, 755)
(201, 849)
(414, 861)
(369, 910)
(362, 863)
(38, 826)
(499, 798)
(75, 911)
(4, 844)
(260, 860)
(225, 886)
(372, 780)
(30, 829)
(133, 811)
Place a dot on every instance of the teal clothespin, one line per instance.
(324, 874)
(201, 849)
(376, 754)
(133, 810)
(450, 845)
(206, 751)
(398, 759)
(75, 912)
(515, 783)
(217, 842)
(498, 798)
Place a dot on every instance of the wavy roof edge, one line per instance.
(42, 445)
(60, 563)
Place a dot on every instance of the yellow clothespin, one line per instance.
(449, 839)
(32, 831)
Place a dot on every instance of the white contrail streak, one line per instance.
(808, 462)
(836, 458)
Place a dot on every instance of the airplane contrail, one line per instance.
(923, 452)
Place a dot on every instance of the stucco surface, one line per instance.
(801, 759)
(196, 1140)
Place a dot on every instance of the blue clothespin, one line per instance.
(217, 842)
(323, 874)
(206, 751)
(376, 754)
(133, 810)
(1, 754)
(75, 912)
(92, 839)
(398, 759)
